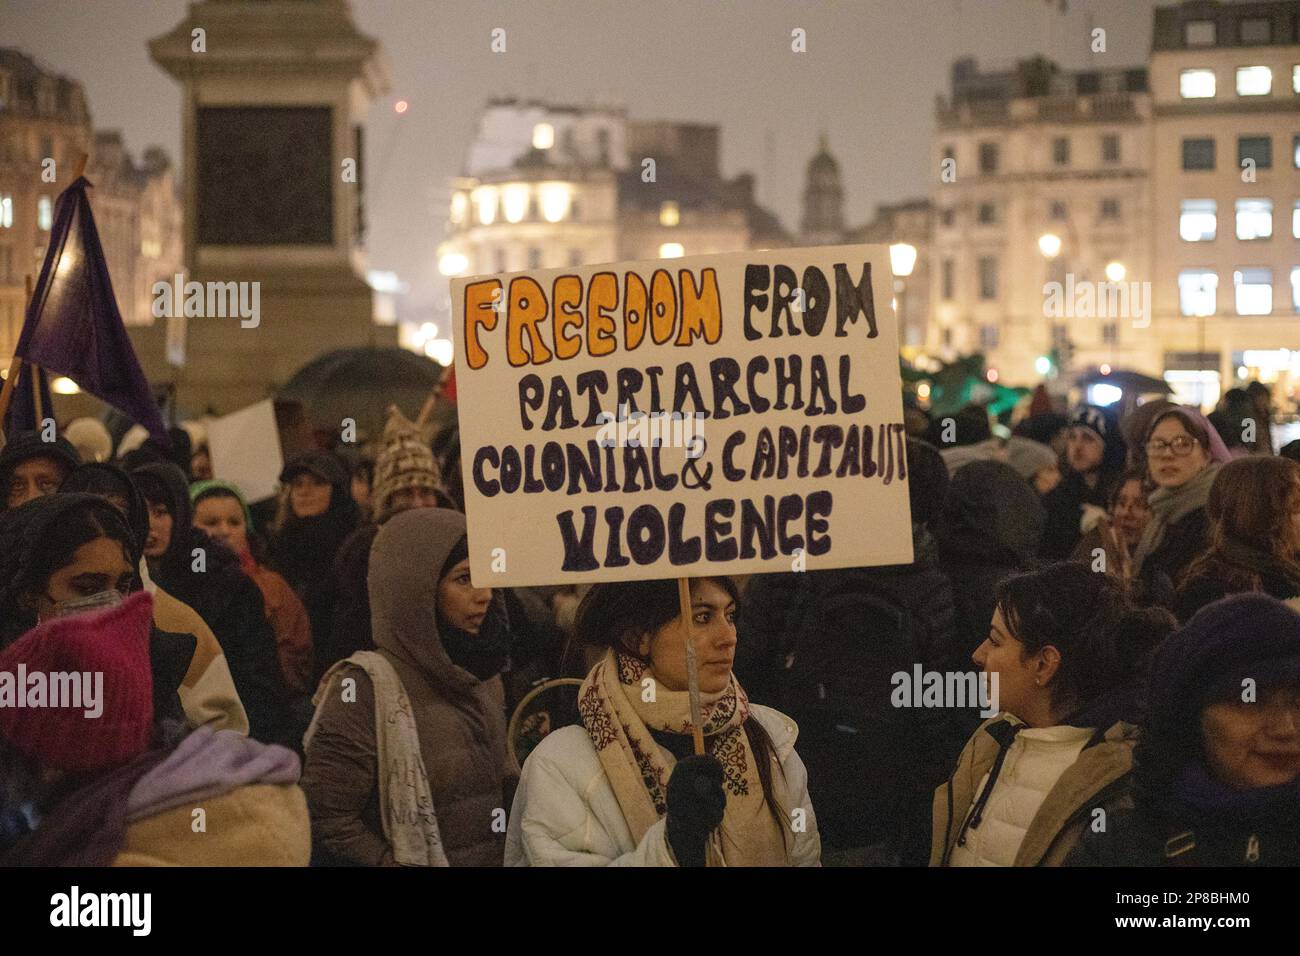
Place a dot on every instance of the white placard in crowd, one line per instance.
(724, 414)
(245, 450)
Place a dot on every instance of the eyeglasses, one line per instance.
(1181, 446)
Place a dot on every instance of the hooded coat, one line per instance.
(1065, 502)
(303, 549)
(227, 600)
(991, 528)
(460, 719)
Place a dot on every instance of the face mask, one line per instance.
(84, 605)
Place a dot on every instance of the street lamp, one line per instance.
(902, 260)
(1049, 244)
(1115, 271)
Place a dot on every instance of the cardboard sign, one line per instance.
(245, 450)
(728, 414)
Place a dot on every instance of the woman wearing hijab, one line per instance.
(625, 788)
(406, 760)
(116, 785)
(208, 691)
(1218, 762)
(206, 576)
(316, 514)
(1066, 651)
(1184, 454)
(220, 510)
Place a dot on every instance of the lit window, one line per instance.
(458, 206)
(555, 201)
(485, 198)
(1254, 291)
(1295, 151)
(1196, 288)
(6, 212)
(669, 214)
(543, 136)
(1198, 221)
(1295, 220)
(44, 212)
(514, 199)
(1254, 218)
(671, 250)
(1199, 33)
(1196, 84)
(1295, 289)
(1254, 81)
(1295, 79)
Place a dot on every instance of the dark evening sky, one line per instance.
(868, 79)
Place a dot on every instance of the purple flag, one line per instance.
(22, 409)
(73, 327)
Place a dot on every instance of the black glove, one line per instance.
(696, 803)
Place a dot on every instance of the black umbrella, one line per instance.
(1128, 381)
(360, 384)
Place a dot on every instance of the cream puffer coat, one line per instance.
(565, 812)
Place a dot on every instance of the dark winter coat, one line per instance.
(229, 602)
(1064, 507)
(991, 528)
(304, 550)
(350, 619)
(823, 646)
(1185, 540)
(460, 719)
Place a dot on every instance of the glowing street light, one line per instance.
(1049, 244)
(453, 263)
(1115, 271)
(902, 259)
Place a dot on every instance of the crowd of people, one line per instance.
(316, 679)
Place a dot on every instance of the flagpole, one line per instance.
(15, 366)
(692, 666)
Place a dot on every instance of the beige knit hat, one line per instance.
(405, 460)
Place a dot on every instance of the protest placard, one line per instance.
(724, 414)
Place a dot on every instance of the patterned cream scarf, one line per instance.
(406, 809)
(619, 721)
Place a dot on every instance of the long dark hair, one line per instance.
(41, 537)
(1105, 642)
(614, 614)
(1252, 501)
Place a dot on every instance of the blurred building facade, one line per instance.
(1225, 82)
(1040, 176)
(137, 207)
(550, 185)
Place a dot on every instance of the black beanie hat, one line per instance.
(28, 445)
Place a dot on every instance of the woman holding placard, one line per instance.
(624, 789)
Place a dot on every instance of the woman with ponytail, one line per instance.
(624, 789)
(1063, 659)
